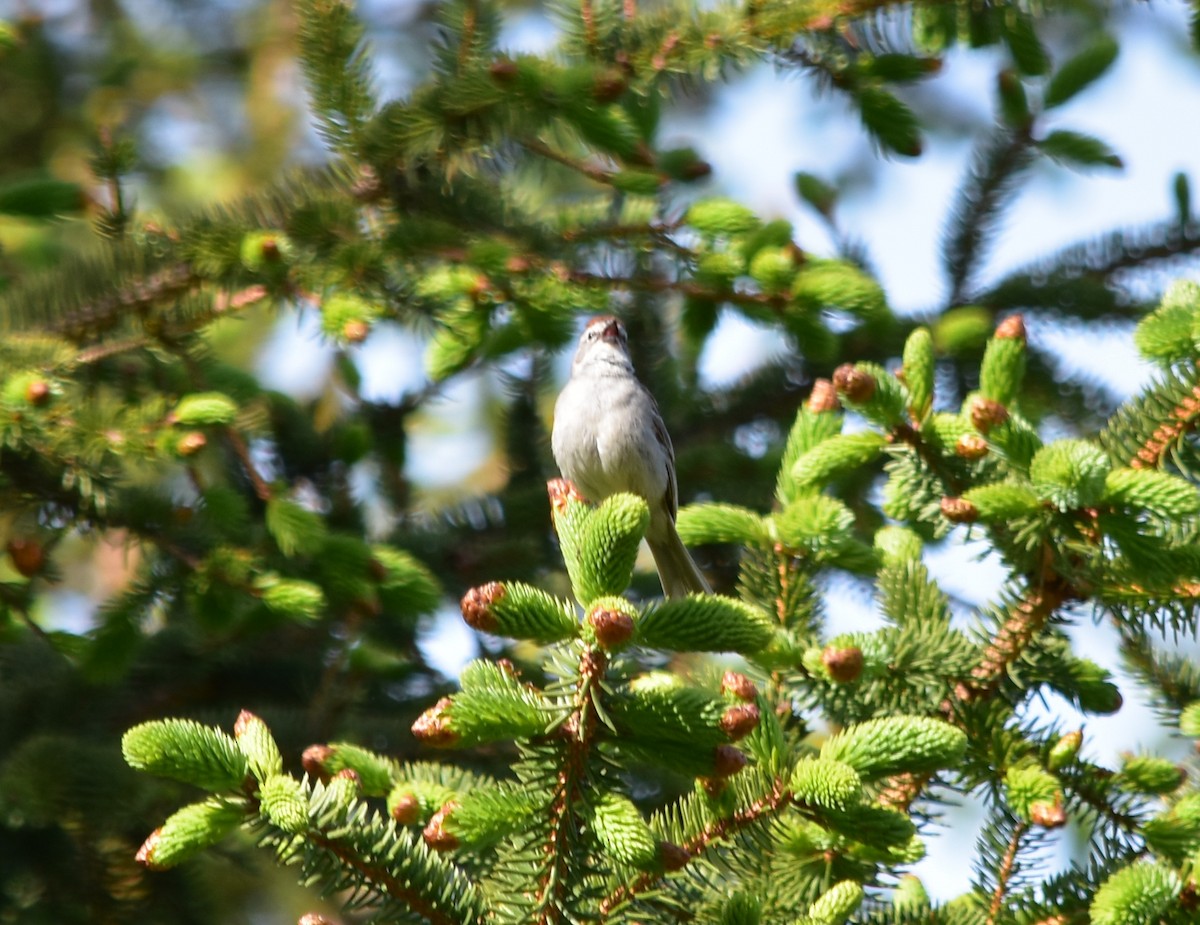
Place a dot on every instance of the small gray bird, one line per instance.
(609, 437)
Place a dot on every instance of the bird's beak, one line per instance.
(611, 330)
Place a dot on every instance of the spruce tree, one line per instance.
(255, 680)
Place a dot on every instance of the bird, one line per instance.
(608, 436)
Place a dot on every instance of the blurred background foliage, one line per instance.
(118, 116)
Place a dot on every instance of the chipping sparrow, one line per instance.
(609, 437)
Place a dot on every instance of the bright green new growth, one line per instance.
(190, 830)
(918, 366)
(258, 745)
(284, 803)
(1070, 473)
(600, 545)
(187, 751)
(375, 773)
(837, 904)
(1025, 788)
(704, 623)
(623, 833)
(896, 744)
(1141, 892)
(827, 784)
(205, 408)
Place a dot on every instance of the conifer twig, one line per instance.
(1004, 874)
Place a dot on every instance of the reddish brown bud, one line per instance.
(739, 721)
(608, 86)
(696, 170)
(959, 511)
(242, 723)
(857, 385)
(1048, 815)
(435, 834)
(518, 264)
(355, 331)
(315, 918)
(971, 447)
(269, 248)
(613, 628)
(503, 70)
(28, 556)
(713, 786)
(737, 684)
(433, 726)
(823, 399)
(315, 759)
(349, 774)
(145, 854)
(843, 664)
(1011, 328)
(37, 392)
(477, 606)
(727, 761)
(672, 856)
(506, 665)
(562, 493)
(987, 414)
(191, 443)
(406, 809)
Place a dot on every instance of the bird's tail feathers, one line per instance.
(676, 570)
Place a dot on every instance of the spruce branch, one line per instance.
(989, 184)
(1004, 873)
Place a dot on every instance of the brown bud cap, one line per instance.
(672, 856)
(28, 556)
(355, 331)
(315, 918)
(349, 774)
(696, 170)
(269, 248)
(435, 834)
(518, 264)
(958, 511)
(37, 392)
(433, 726)
(506, 665)
(736, 683)
(315, 759)
(739, 721)
(971, 447)
(823, 399)
(987, 413)
(843, 664)
(1048, 815)
(242, 723)
(562, 493)
(609, 85)
(1053, 920)
(407, 809)
(477, 606)
(613, 628)
(191, 443)
(727, 761)
(503, 70)
(713, 786)
(145, 854)
(858, 386)
(1011, 328)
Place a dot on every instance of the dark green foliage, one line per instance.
(245, 549)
